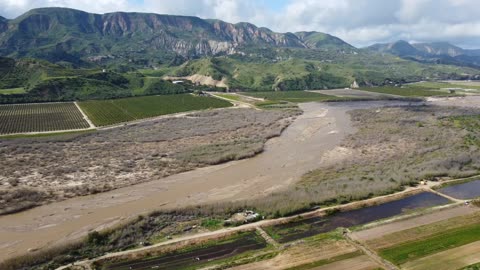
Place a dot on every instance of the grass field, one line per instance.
(109, 112)
(440, 85)
(292, 96)
(472, 267)
(23, 118)
(407, 91)
(230, 96)
(448, 239)
(10, 91)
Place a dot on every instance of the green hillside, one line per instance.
(297, 73)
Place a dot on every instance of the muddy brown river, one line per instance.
(311, 141)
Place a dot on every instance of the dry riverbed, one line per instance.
(311, 141)
(284, 160)
(35, 171)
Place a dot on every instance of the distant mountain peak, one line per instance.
(436, 52)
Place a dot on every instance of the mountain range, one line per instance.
(44, 45)
(60, 34)
(435, 52)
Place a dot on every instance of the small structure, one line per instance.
(243, 217)
(354, 85)
(177, 82)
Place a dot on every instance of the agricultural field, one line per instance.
(230, 96)
(408, 91)
(109, 112)
(445, 240)
(193, 257)
(10, 91)
(446, 244)
(293, 96)
(325, 251)
(465, 86)
(23, 118)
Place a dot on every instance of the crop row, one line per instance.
(22, 118)
(109, 112)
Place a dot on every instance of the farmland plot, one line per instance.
(23, 118)
(109, 112)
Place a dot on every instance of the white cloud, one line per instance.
(360, 22)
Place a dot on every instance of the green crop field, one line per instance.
(440, 85)
(109, 112)
(291, 96)
(230, 96)
(23, 118)
(407, 91)
(10, 91)
(420, 248)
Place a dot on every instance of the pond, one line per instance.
(464, 191)
(312, 226)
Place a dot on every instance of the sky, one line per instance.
(359, 22)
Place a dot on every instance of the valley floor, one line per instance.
(284, 161)
(310, 142)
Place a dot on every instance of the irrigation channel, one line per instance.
(196, 256)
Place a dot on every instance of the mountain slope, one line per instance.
(400, 48)
(60, 34)
(439, 48)
(435, 52)
(316, 40)
(240, 56)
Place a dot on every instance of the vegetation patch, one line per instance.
(472, 267)
(142, 231)
(456, 86)
(77, 164)
(23, 118)
(192, 257)
(302, 228)
(19, 90)
(230, 96)
(293, 96)
(443, 241)
(387, 153)
(407, 91)
(109, 112)
(470, 123)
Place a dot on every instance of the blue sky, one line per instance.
(359, 22)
